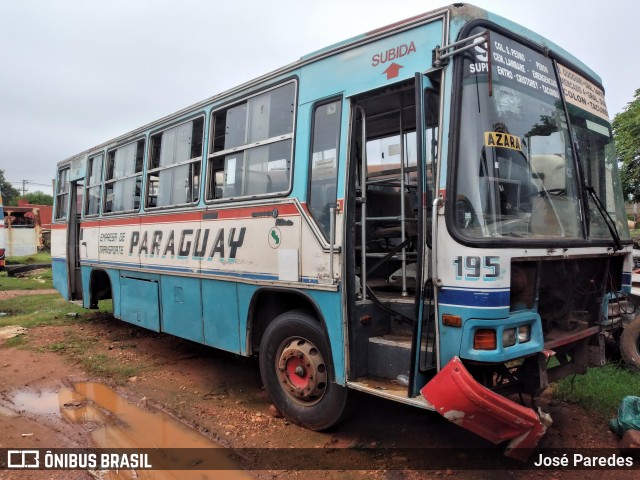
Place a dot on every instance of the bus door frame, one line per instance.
(418, 376)
(74, 238)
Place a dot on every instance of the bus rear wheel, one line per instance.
(630, 344)
(297, 373)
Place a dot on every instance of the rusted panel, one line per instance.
(559, 338)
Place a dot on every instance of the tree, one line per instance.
(8, 192)
(626, 128)
(37, 198)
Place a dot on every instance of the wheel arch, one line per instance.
(267, 303)
(100, 287)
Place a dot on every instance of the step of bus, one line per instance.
(389, 356)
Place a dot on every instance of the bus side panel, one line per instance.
(59, 259)
(182, 307)
(220, 315)
(139, 302)
(60, 276)
(331, 309)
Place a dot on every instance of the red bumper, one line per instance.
(461, 400)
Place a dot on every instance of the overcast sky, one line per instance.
(75, 73)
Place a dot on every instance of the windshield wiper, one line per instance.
(605, 215)
(599, 205)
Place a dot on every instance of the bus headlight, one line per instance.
(524, 333)
(509, 337)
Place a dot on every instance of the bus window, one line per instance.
(123, 180)
(174, 166)
(252, 146)
(62, 194)
(94, 185)
(324, 162)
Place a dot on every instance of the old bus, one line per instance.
(430, 212)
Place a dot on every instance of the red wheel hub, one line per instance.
(301, 370)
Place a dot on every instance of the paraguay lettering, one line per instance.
(196, 243)
(393, 54)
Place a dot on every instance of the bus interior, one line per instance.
(385, 207)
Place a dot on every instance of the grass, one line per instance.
(83, 348)
(40, 257)
(19, 342)
(33, 311)
(601, 389)
(38, 310)
(30, 281)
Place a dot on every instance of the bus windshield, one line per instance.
(516, 174)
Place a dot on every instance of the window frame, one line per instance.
(93, 185)
(113, 181)
(64, 193)
(209, 191)
(149, 171)
(314, 109)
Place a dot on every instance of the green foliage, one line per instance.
(626, 127)
(601, 389)
(37, 198)
(9, 194)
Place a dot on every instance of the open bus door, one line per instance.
(74, 237)
(423, 348)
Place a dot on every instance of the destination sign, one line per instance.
(582, 93)
(515, 65)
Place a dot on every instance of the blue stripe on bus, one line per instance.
(474, 298)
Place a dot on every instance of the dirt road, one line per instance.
(221, 396)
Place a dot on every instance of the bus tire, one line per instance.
(297, 373)
(630, 344)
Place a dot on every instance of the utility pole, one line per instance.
(24, 187)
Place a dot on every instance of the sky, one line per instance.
(76, 73)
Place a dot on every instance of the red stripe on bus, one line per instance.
(223, 214)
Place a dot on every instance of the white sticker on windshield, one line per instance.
(582, 93)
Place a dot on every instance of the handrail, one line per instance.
(363, 202)
(332, 238)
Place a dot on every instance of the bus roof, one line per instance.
(456, 16)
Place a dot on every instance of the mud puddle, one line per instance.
(117, 423)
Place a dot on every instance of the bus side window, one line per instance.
(123, 182)
(324, 162)
(62, 194)
(174, 165)
(252, 143)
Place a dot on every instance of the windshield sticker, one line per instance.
(582, 93)
(504, 140)
(513, 63)
(509, 63)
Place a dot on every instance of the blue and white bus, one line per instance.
(429, 212)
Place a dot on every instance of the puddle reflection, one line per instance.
(121, 424)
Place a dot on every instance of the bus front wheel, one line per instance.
(296, 371)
